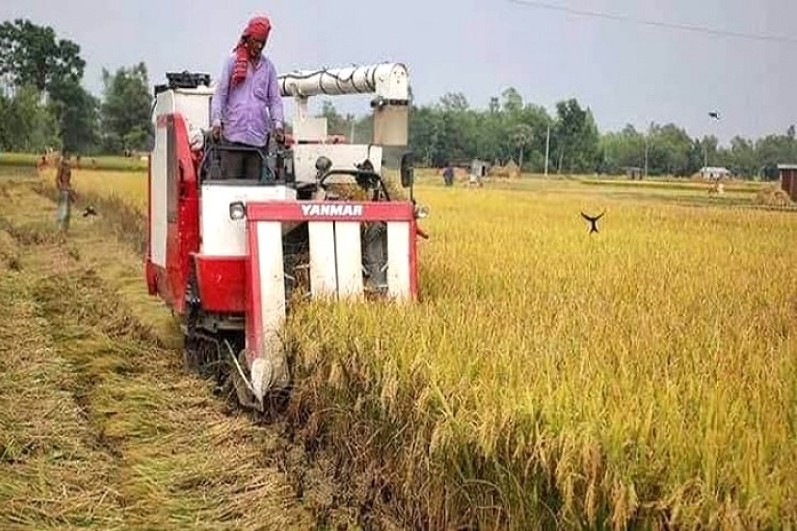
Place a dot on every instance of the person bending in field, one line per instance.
(247, 106)
(63, 181)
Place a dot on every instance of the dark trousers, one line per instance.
(240, 164)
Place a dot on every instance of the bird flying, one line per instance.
(89, 211)
(593, 221)
(714, 114)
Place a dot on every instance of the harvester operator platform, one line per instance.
(247, 106)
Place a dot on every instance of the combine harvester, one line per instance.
(228, 255)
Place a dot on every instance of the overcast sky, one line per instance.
(625, 72)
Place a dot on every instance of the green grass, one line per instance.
(105, 163)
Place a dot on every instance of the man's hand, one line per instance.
(279, 136)
(216, 132)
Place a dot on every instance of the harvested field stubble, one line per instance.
(643, 377)
(99, 425)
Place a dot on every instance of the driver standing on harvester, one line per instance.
(246, 103)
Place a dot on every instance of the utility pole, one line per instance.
(547, 148)
(647, 149)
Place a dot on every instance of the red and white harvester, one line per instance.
(228, 255)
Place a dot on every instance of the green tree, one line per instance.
(425, 128)
(773, 150)
(512, 101)
(25, 125)
(77, 115)
(31, 55)
(34, 63)
(741, 158)
(125, 111)
(452, 131)
(669, 150)
(622, 150)
(577, 137)
(537, 120)
(522, 135)
(454, 102)
(489, 133)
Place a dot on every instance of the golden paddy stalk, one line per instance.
(646, 375)
(129, 187)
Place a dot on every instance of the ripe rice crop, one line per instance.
(128, 187)
(643, 376)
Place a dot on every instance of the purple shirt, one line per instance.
(248, 110)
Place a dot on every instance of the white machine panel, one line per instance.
(323, 273)
(272, 284)
(398, 259)
(221, 236)
(268, 368)
(310, 129)
(343, 156)
(157, 205)
(192, 104)
(349, 259)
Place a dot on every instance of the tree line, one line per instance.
(43, 104)
(510, 129)
(451, 131)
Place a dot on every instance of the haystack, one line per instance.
(509, 171)
(772, 195)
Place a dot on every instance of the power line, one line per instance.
(655, 23)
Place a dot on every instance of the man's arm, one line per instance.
(220, 96)
(59, 175)
(274, 100)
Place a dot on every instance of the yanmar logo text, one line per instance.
(350, 211)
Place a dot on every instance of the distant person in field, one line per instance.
(448, 175)
(247, 106)
(63, 181)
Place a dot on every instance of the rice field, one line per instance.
(645, 376)
(100, 163)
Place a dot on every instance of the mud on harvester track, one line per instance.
(101, 425)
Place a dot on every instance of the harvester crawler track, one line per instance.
(219, 356)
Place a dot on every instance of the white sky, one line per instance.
(626, 73)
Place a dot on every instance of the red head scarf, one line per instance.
(259, 28)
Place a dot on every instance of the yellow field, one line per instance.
(100, 163)
(646, 375)
(130, 187)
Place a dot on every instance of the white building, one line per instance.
(712, 173)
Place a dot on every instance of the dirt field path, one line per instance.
(100, 426)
